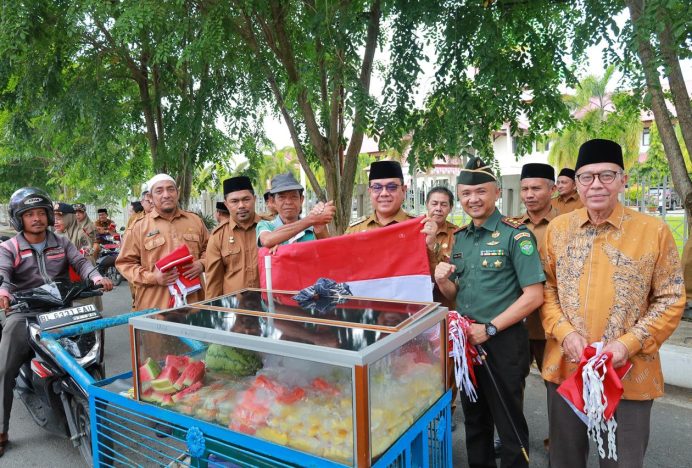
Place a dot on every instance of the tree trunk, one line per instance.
(184, 181)
(678, 89)
(681, 179)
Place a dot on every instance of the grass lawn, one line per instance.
(676, 222)
(677, 226)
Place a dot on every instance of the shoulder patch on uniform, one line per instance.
(526, 247)
(522, 234)
(516, 223)
(219, 226)
(358, 221)
(461, 228)
(409, 215)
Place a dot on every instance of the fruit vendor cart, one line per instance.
(254, 379)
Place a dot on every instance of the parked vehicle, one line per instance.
(106, 260)
(55, 400)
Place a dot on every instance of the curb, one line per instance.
(676, 362)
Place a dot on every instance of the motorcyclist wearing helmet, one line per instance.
(33, 257)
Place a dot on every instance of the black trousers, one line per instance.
(569, 443)
(508, 357)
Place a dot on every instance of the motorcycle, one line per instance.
(106, 260)
(55, 400)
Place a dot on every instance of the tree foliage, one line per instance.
(597, 113)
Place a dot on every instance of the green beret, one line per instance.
(476, 172)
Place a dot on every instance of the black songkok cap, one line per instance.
(64, 208)
(137, 206)
(102, 210)
(531, 170)
(220, 206)
(567, 172)
(476, 172)
(385, 170)
(234, 184)
(599, 151)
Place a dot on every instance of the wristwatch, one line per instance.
(490, 329)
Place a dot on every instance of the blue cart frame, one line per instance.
(127, 432)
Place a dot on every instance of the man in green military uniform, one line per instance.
(496, 278)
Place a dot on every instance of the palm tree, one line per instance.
(597, 113)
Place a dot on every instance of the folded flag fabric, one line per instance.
(594, 392)
(387, 263)
(463, 354)
(179, 259)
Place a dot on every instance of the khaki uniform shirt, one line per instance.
(533, 321)
(620, 280)
(231, 259)
(152, 238)
(134, 218)
(371, 222)
(567, 205)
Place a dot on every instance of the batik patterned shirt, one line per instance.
(619, 280)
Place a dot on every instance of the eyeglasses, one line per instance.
(606, 177)
(391, 187)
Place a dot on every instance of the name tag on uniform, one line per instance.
(492, 253)
(458, 255)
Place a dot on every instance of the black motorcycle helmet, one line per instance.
(25, 199)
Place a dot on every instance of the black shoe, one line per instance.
(498, 447)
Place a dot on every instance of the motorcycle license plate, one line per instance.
(61, 318)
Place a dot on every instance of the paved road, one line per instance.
(669, 446)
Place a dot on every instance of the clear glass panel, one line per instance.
(287, 401)
(403, 385)
(377, 313)
(319, 334)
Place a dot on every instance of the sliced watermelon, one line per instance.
(164, 382)
(179, 362)
(157, 397)
(291, 396)
(149, 370)
(146, 395)
(194, 372)
(324, 386)
(182, 394)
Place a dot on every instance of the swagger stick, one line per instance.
(484, 357)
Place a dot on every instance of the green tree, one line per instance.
(130, 73)
(597, 113)
(657, 35)
(496, 63)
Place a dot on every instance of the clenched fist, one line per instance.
(443, 270)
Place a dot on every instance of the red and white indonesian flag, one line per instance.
(386, 263)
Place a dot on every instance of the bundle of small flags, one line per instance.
(594, 392)
(181, 259)
(463, 353)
